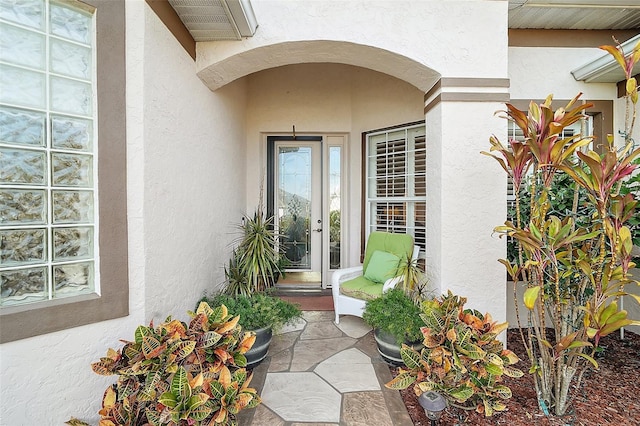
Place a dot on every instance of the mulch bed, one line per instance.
(609, 396)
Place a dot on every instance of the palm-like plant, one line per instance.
(257, 256)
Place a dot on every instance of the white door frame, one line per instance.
(332, 151)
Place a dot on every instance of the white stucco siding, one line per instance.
(185, 181)
(435, 35)
(536, 72)
(193, 175)
(467, 203)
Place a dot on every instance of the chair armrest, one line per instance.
(345, 274)
(416, 252)
(391, 283)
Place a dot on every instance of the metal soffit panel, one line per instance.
(211, 20)
(574, 14)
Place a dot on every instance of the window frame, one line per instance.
(23, 321)
(365, 215)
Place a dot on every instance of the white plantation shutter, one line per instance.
(396, 181)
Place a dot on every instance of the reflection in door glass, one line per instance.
(294, 205)
(334, 207)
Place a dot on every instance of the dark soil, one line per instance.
(609, 396)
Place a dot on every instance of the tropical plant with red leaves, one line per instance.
(573, 275)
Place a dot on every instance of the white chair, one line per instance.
(361, 289)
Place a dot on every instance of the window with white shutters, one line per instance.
(395, 188)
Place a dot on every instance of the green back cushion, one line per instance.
(381, 267)
(399, 244)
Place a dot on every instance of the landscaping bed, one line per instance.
(609, 396)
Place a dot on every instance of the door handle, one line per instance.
(317, 230)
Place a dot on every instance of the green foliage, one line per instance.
(572, 257)
(258, 310)
(461, 359)
(562, 195)
(256, 262)
(396, 313)
(257, 257)
(412, 279)
(334, 226)
(179, 374)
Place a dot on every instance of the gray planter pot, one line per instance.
(389, 349)
(258, 351)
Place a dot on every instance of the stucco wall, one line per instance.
(440, 35)
(193, 176)
(184, 144)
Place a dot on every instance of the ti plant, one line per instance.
(177, 374)
(462, 359)
(574, 266)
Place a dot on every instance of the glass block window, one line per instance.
(396, 171)
(48, 197)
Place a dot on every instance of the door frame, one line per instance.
(326, 141)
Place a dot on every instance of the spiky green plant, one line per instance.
(462, 359)
(258, 258)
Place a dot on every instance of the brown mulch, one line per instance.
(609, 396)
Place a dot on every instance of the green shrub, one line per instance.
(395, 313)
(259, 310)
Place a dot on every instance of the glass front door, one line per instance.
(298, 208)
(305, 183)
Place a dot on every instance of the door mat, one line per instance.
(311, 303)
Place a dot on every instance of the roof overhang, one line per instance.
(210, 20)
(605, 69)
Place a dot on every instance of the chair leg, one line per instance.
(337, 320)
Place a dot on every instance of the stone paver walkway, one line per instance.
(318, 373)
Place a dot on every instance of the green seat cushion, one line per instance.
(361, 288)
(382, 266)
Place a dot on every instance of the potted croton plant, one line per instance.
(461, 357)
(176, 373)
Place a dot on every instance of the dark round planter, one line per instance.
(259, 350)
(389, 349)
